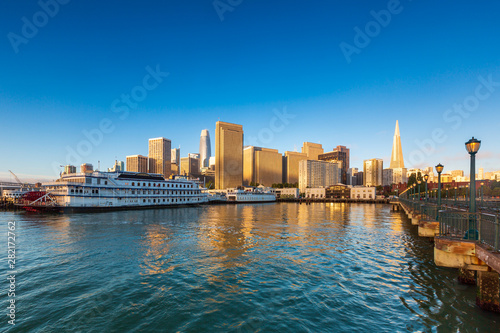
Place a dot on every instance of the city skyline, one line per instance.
(396, 139)
(68, 89)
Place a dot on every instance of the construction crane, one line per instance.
(17, 179)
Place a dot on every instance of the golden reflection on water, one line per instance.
(156, 256)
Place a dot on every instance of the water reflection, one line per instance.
(272, 267)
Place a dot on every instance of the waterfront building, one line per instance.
(160, 156)
(137, 163)
(362, 193)
(312, 150)
(397, 150)
(287, 192)
(86, 168)
(291, 160)
(205, 149)
(387, 177)
(262, 165)
(314, 174)
(339, 191)
(372, 170)
(315, 193)
(339, 154)
(228, 155)
(190, 167)
(69, 169)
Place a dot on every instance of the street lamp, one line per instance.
(426, 178)
(419, 182)
(472, 147)
(439, 169)
(482, 193)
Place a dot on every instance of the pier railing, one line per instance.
(455, 223)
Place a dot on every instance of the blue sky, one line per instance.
(69, 75)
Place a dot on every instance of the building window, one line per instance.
(133, 184)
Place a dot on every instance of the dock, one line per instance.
(468, 242)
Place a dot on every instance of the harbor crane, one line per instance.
(17, 179)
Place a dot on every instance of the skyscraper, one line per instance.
(137, 163)
(262, 165)
(373, 172)
(205, 149)
(397, 151)
(317, 174)
(291, 162)
(160, 156)
(339, 154)
(312, 150)
(228, 155)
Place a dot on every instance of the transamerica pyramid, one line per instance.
(397, 151)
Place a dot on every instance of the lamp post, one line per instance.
(482, 193)
(439, 169)
(419, 182)
(426, 178)
(472, 147)
(455, 195)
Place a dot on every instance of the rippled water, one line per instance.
(235, 268)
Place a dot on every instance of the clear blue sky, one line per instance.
(263, 56)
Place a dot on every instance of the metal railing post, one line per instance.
(497, 235)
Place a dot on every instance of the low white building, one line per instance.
(287, 192)
(363, 193)
(316, 193)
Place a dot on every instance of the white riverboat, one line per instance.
(250, 195)
(113, 191)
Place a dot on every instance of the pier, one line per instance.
(469, 242)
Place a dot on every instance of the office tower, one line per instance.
(190, 166)
(387, 177)
(119, 166)
(160, 156)
(480, 175)
(86, 168)
(397, 151)
(291, 161)
(339, 154)
(317, 174)
(228, 155)
(211, 165)
(351, 176)
(372, 170)
(175, 155)
(399, 176)
(137, 163)
(360, 178)
(205, 149)
(262, 166)
(312, 150)
(69, 169)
